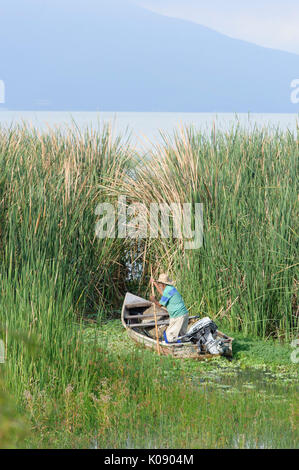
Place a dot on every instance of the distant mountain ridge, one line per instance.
(114, 55)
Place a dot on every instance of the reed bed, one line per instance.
(53, 269)
(55, 273)
(245, 275)
(49, 190)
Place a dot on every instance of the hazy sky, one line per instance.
(112, 55)
(268, 23)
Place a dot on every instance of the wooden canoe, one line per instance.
(138, 320)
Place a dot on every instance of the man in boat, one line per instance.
(173, 301)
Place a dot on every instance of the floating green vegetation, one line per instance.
(257, 371)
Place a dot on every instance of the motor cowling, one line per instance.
(201, 333)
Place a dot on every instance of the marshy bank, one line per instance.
(66, 386)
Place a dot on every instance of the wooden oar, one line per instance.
(156, 326)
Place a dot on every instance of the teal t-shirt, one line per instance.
(173, 301)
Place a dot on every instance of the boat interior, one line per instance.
(141, 317)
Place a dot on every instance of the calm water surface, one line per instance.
(145, 127)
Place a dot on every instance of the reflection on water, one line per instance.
(238, 379)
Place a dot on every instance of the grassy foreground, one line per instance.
(67, 386)
(140, 400)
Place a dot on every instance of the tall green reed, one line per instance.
(245, 275)
(53, 268)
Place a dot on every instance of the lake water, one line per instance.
(145, 127)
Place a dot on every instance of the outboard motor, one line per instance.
(201, 333)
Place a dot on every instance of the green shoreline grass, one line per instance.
(141, 400)
(60, 390)
(271, 355)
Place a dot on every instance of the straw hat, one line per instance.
(164, 279)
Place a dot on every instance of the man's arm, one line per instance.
(153, 298)
(155, 301)
(157, 287)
